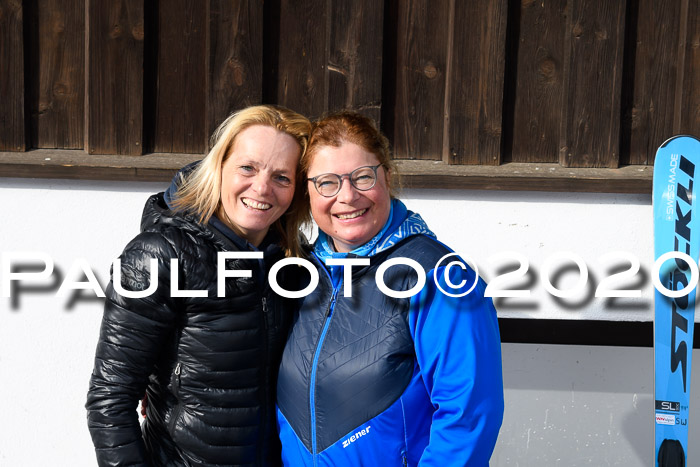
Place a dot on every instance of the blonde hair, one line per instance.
(199, 193)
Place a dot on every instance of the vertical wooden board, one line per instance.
(57, 95)
(649, 121)
(421, 61)
(180, 110)
(539, 79)
(590, 124)
(12, 122)
(476, 82)
(690, 90)
(115, 77)
(234, 68)
(303, 56)
(355, 57)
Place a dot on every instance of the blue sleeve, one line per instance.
(458, 350)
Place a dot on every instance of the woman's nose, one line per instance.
(262, 184)
(347, 192)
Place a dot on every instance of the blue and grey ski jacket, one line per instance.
(367, 379)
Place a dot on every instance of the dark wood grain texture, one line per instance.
(115, 69)
(45, 163)
(590, 123)
(234, 77)
(57, 74)
(13, 129)
(75, 164)
(421, 62)
(590, 84)
(355, 57)
(539, 82)
(651, 117)
(303, 56)
(525, 177)
(476, 82)
(180, 93)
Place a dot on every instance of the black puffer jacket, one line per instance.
(208, 364)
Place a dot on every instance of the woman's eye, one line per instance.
(246, 168)
(283, 179)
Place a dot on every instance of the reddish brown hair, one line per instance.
(349, 127)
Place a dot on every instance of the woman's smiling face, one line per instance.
(352, 217)
(257, 181)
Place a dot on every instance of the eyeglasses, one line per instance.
(362, 178)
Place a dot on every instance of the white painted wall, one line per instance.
(566, 405)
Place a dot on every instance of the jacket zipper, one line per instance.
(175, 412)
(266, 379)
(314, 367)
(265, 310)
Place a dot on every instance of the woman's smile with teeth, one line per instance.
(251, 203)
(351, 215)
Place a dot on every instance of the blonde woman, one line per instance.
(207, 363)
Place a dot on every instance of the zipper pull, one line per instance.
(175, 380)
(269, 318)
(332, 302)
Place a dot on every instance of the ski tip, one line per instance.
(665, 143)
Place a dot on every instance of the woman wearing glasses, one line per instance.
(367, 378)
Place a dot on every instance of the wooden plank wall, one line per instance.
(13, 125)
(582, 83)
(56, 88)
(115, 78)
(180, 73)
(593, 52)
(234, 59)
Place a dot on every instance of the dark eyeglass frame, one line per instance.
(341, 177)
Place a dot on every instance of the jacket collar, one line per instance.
(400, 225)
(162, 212)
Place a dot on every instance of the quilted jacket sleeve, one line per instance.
(458, 350)
(132, 333)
